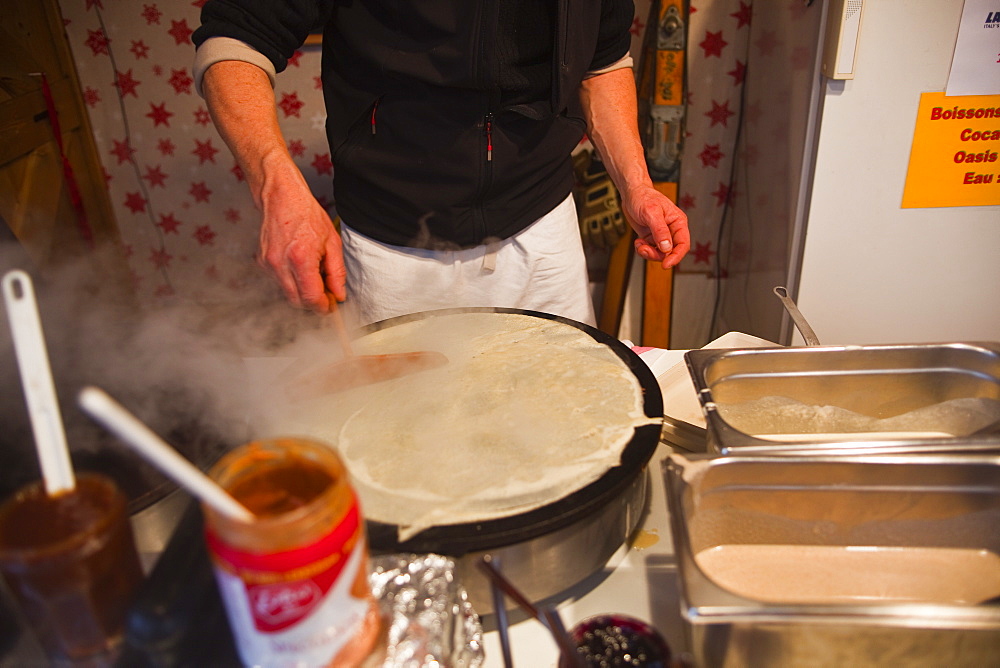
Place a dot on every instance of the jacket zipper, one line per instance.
(488, 130)
(487, 16)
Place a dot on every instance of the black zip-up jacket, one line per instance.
(429, 147)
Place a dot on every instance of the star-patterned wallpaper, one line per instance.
(185, 215)
(187, 219)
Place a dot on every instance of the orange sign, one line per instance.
(955, 157)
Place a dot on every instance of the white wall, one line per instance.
(873, 272)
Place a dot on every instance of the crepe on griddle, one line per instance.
(527, 411)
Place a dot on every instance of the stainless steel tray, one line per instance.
(881, 399)
(895, 501)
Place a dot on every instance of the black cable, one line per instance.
(717, 301)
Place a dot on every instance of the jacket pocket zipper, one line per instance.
(488, 130)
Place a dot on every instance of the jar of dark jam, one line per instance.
(295, 581)
(617, 641)
(71, 563)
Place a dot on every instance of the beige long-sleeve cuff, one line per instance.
(625, 61)
(217, 49)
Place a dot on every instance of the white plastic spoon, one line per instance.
(112, 415)
(36, 379)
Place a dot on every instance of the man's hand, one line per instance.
(299, 245)
(661, 227)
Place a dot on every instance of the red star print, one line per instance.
(205, 151)
(168, 223)
(139, 50)
(200, 192)
(151, 14)
(232, 216)
(163, 291)
(317, 83)
(703, 252)
(201, 116)
(766, 42)
(322, 163)
(98, 42)
(801, 58)
(181, 81)
(711, 155)
(157, 71)
(122, 150)
(296, 148)
(135, 202)
(107, 177)
(739, 73)
(291, 104)
(212, 272)
(742, 15)
(721, 194)
(91, 96)
(155, 176)
(204, 235)
(165, 147)
(94, 3)
(720, 113)
(159, 114)
(199, 3)
(686, 201)
(294, 60)
(126, 84)
(237, 172)
(180, 32)
(637, 26)
(713, 44)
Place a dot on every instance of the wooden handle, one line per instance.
(338, 323)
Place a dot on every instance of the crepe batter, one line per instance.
(836, 574)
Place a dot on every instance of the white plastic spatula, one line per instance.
(115, 418)
(36, 380)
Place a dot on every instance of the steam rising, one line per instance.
(179, 366)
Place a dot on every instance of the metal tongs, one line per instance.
(549, 617)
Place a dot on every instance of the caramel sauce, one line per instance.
(71, 562)
(281, 488)
(37, 520)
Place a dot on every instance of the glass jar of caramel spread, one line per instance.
(295, 581)
(70, 561)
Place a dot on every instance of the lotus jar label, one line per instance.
(295, 606)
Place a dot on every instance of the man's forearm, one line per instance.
(609, 102)
(241, 102)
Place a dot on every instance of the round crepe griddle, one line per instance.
(460, 539)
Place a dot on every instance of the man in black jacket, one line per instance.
(450, 124)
